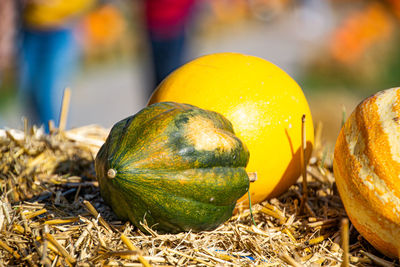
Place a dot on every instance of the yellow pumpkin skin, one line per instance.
(264, 104)
(367, 170)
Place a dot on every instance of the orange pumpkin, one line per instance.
(264, 104)
(367, 169)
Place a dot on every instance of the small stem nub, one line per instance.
(252, 176)
(111, 173)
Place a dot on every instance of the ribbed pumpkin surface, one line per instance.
(367, 169)
(176, 166)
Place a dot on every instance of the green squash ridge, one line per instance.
(139, 133)
(237, 187)
(237, 157)
(131, 139)
(166, 214)
(130, 121)
(170, 195)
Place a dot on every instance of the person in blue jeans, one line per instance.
(47, 61)
(49, 55)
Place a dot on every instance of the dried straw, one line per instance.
(51, 214)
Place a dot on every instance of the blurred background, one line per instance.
(338, 51)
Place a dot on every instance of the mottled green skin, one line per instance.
(162, 178)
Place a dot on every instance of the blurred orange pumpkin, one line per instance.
(359, 32)
(103, 26)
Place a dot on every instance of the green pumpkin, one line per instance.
(174, 165)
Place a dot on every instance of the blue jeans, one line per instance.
(48, 59)
(167, 55)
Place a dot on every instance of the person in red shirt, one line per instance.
(166, 22)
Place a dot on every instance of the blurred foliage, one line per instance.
(362, 53)
(111, 32)
(370, 75)
(7, 89)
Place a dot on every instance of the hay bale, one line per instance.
(51, 213)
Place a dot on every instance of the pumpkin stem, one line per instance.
(252, 176)
(111, 173)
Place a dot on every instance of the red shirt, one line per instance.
(166, 18)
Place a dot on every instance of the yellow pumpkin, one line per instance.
(367, 169)
(264, 104)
